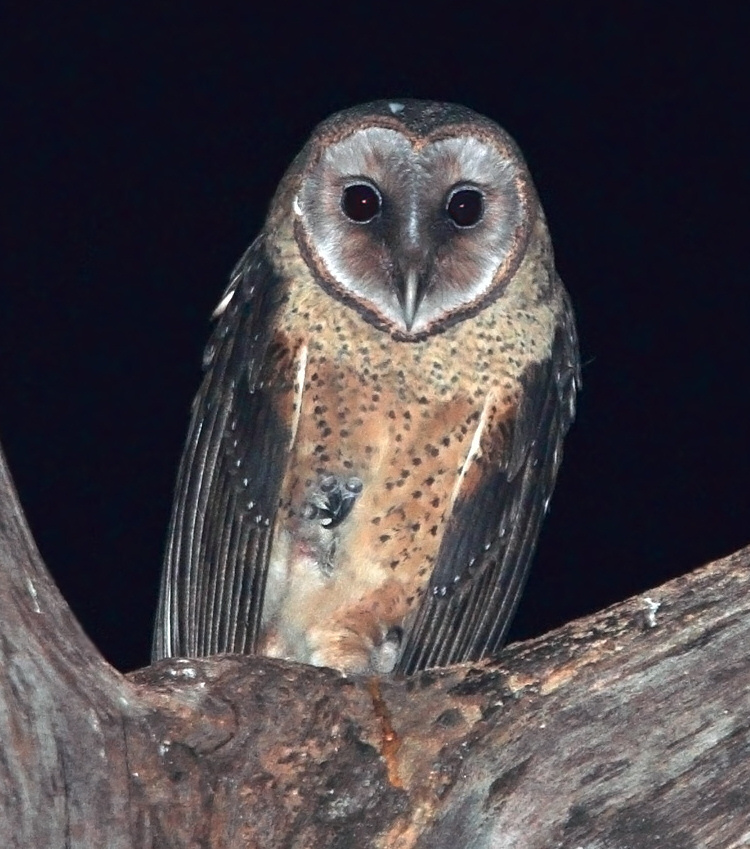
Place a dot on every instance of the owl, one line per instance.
(390, 378)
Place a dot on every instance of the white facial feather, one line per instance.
(369, 262)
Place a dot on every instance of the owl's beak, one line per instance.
(411, 297)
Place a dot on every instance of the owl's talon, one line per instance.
(328, 483)
(308, 511)
(354, 485)
(333, 500)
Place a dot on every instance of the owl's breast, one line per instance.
(383, 434)
(386, 434)
(397, 416)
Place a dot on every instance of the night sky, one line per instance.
(139, 154)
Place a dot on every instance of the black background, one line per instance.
(140, 151)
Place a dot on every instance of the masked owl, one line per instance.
(391, 374)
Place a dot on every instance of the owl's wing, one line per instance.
(229, 479)
(486, 552)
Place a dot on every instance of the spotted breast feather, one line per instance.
(492, 531)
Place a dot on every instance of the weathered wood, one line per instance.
(625, 729)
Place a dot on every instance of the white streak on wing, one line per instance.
(396, 107)
(299, 385)
(166, 625)
(474, 449)
(225, 298)
(296, 205)
(33, 594)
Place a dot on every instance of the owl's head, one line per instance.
(415, 213)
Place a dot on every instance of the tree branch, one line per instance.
(628, 728)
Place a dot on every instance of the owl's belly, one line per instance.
(367, 494)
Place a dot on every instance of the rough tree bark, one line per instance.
(629, 728)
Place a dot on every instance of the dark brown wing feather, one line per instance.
(227, 489)
(490, 539)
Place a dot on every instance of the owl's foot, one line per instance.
(355, 628)
(332, 500)
(358, 654)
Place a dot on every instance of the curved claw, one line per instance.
(332, 501)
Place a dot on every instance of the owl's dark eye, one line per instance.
(360, 202)
(465, 207)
